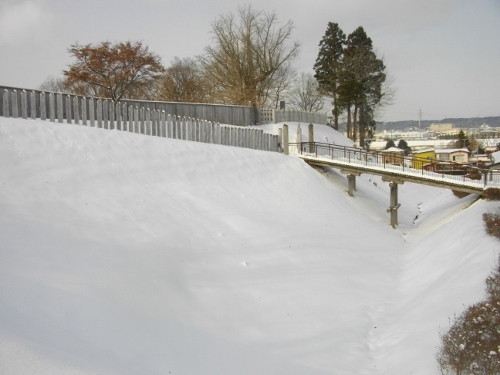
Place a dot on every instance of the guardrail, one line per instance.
(399, 163)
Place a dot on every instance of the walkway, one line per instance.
(395, 169)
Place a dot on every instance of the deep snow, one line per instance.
(129, 254)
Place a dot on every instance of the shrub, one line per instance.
(472, 344)
(492, 194)
(492, 223)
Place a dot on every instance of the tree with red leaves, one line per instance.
(115, 71)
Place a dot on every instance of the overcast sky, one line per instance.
(444, 55)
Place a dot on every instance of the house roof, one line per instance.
(394, 149)
(451, 150)
(424, 151)
(495, 157)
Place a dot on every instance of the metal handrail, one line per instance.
(407, 165)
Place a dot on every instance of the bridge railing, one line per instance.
(391, 161)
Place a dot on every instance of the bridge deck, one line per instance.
(356, 161)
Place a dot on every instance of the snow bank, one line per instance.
(124, 254)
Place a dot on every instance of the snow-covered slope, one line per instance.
(127, 254)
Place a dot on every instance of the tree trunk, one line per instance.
(362, 128)
(335, 113)
(349, 121)
(355, 124)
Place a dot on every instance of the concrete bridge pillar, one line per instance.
(393, 205)
(351, 184)
(351, 180)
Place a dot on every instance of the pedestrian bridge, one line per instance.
(395, 169)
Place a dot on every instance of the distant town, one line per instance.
(460, 142)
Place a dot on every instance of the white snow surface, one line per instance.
(129, 254)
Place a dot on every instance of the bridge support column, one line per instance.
(351, 184)
(351, 180)
(393, 205)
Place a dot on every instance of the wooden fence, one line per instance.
(128, 116)
(224, 114)
(274, 116)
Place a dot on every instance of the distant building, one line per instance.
(393, 155)
(494, 160)
(456, 155)
(441, 128)
(423, 157)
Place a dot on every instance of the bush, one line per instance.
(492, 194)
(492, 223)
(472, 344)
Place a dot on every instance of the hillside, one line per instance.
(128, 254)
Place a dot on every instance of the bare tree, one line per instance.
(282, 81)
(54, 84)
(113, 70)
(250, 51)
(183, 81)
(305, 94)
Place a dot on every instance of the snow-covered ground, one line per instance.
(129, 254)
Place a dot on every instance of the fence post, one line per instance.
(24, 105)
(286, 149)
(158, 123)
(234, 137)
(137, 128)
(84, 110)
(163, 123)
(213, 132)
(197, 130)
(174, 127)
(217, 134)
(76, 113)
(60, 107)
(33, 105)
(99, 113)
(142, 129)
(208, 131)
(311, 133)
(92, 112)
(184, 128)
(43, 106)
(5, 104)
(147, 127)
(15, 109)
(67, 104)
(223, 135)
(131, 118)
(169, 126)
(52, 107)
(179, 127)
(153, 123)
(111, 117)
(124, 117)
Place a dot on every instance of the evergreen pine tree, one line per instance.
(360, 82)
(328, 65)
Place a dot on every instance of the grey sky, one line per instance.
(444, 55)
